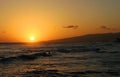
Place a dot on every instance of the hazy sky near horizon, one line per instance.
(56, 19)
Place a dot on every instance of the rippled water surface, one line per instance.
(60, 60)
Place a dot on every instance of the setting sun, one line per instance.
(32, 38)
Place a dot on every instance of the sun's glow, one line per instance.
(32, 38)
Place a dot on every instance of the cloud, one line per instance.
(105, 27)
(72, 27)
(3, 32)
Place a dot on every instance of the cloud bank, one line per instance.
(72, 27)
(105, 27)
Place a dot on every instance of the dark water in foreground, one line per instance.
(60, 60)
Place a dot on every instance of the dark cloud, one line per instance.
(105, 27)
(72, 27)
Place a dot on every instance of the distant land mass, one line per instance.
(105, 37)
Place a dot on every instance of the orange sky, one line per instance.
(56, 19)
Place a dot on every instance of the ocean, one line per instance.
(60, 60)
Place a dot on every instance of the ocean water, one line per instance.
(60, 60)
